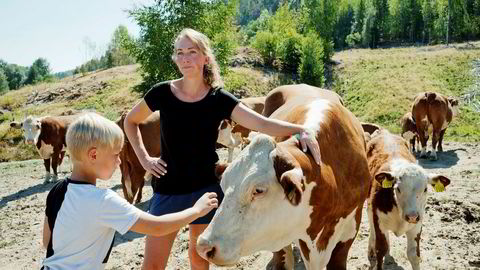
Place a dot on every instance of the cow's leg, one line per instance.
(377, 244)
(126, 180)
(338, 259)
(412, 145)
(435, 137)
(282, 259)
(423, 135)
(55, 158)
(138, 181)
(413, 246)
(46, 163)
(440, 140)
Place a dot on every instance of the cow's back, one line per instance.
(280, 95)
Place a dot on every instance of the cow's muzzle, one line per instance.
(29, 141)
(205, 248)
(412, 218)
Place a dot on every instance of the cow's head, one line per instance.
(265, 204)
(31, 129)
(410, 186)
(454, 104)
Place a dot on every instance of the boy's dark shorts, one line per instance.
(162, 204)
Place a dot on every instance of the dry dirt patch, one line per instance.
(450, 238)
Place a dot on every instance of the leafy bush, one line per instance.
(311, 66)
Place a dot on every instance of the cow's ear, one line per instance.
(219, 169)
(289, 176)
(15, 124)
(438, 182)
(386, 179)
(453, 101)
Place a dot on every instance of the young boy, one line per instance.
(81, 219)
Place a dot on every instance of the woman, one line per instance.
(191, 110)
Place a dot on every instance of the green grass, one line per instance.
(379, 85)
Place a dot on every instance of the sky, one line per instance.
(59, 30)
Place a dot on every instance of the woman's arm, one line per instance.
(46, 233)
(278, 128)
(139, 113)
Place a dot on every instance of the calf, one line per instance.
(48, 135)
(435, 110)
(397, 197)
(133, 173)
(409, 130)
(275, 193)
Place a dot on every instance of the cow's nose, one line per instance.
(412, 218)
(29, 141)
(205, 248)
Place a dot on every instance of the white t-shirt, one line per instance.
(84, 224)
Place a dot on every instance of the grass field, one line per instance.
(377, 85)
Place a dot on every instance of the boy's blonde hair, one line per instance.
(92, 130)
(211, 71)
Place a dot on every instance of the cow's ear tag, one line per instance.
(387, 183)
(439, 187)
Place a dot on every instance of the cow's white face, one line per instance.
(256, 214)
(31, 130)
(410, 184)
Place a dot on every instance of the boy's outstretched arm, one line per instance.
(163, 225)
(46, 233)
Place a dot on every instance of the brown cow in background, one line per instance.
(433, 110)
(409, 130)
(132, 171)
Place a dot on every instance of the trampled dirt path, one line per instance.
(450, 238)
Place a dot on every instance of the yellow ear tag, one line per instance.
(439, 187)
(387, 184)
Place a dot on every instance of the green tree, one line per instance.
(39, 71)
(16, 75)
(311, 66)
(160, 23)
(117, 53)
(3, 82)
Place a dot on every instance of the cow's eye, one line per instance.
(259, 191)
(425, 190)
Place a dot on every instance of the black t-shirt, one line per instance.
(189, 131)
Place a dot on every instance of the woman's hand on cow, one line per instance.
(155, 166)
(309, 141)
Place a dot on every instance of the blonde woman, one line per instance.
(191, 109)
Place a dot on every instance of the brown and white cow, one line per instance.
(397, 197)
(409, 130)
(433, 110)
(280, 95)
(233, 135)
(133, 174)
(48, 135)
(275, 193)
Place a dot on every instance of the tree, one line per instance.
(39, 71)
(117, 53)
(3, 82)
(16, 75)
(160, 23)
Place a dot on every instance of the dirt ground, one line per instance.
(450, 238)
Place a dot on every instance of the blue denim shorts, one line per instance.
(162, 204)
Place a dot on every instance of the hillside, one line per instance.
(377, 85)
